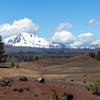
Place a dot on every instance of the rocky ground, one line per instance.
(34, 90)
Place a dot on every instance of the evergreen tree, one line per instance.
(98, 55)
(92, 54)
(2, 51)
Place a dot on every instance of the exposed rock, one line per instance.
(40, 79)
(23, 78)
(67, 96)
(14, 89)
(20, 90)
(5, 82)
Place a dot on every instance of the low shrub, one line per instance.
(12, 64)
(53, 94)
(17, 66)
(94, 87)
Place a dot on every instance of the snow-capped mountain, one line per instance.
(25, 39)
(30, 40)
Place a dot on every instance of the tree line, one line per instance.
(33, 56)
(96, 56)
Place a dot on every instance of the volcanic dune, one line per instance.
(40, 91)
(73, 73)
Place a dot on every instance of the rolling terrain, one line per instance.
(79, 68)
(74, 72)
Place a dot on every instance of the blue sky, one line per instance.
(48, 14)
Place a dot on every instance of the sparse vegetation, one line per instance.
(12, 64)
(53, 94)
(17, 66)
(94, 87)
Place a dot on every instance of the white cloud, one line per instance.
(92, 22)
(84, 40)
(86, 37)
(18, 26)
(63, 26)
(60, 36)
(96, 42)
(63, 36)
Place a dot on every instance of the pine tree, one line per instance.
(92, 54)
(98, 55)
(2, 51)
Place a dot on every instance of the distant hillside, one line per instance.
(13, 49)
(30, 54)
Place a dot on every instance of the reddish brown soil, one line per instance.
(40, 91)
(83, 57)
(51, 62)
(58, 61)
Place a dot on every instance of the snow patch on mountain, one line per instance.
(29, 40)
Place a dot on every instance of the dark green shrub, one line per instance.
(92, 54)
(98, 56)
(2, 51)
